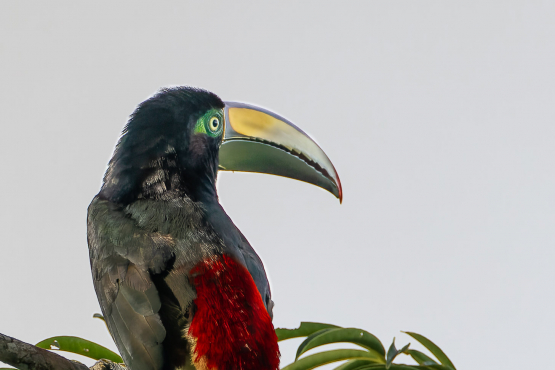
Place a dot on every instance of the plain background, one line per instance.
(438, 115)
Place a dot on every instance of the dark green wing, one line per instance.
(123, 256)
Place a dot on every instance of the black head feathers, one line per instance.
(154, 156)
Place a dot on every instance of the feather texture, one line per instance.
(156, 218)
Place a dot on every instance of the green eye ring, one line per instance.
(211, 123)
(214, 124)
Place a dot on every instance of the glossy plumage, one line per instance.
(156, 228)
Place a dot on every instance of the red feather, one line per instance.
(231, 326)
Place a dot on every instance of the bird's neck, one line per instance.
(201, 187)
(164, 178)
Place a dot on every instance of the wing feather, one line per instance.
(141, 255)
(121, 257)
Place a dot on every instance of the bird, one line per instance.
(179, 285)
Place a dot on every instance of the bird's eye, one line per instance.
(214, 124)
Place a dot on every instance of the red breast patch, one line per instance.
(231, 327)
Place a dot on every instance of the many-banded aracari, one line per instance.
(179, 286)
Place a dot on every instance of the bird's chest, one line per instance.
(180, 221)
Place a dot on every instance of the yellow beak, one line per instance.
(257, 140)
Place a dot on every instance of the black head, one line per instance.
(168, 147)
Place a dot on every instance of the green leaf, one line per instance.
(308, 339)
(392, 367)
(342, 335)
(322, 358)
(354, 365)
(401, 367)
(392, 352)
(81, 347)
(99, 316)
(304, 330)
(421, 358)
(436, 351)
(368, 366)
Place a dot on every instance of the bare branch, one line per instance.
(25, 356)
(107, 365)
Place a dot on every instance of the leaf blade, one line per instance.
(302, 347)
(322, 358)
(304, 330)
(354, 364)
(79, 346)
(393, 352)
(421, 358)
(433, 348)
(342, 335)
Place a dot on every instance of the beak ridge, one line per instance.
(258, 140)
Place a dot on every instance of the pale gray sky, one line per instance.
(438, 115)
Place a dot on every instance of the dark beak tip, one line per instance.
(339, 187)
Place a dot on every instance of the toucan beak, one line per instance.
(257, 140)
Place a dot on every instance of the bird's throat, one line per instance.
(166, 178)
(231, 328)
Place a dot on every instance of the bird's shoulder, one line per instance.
(149, 232)
(140, 273)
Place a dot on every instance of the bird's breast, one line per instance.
(231, 328)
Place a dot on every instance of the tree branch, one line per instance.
(25, 356)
